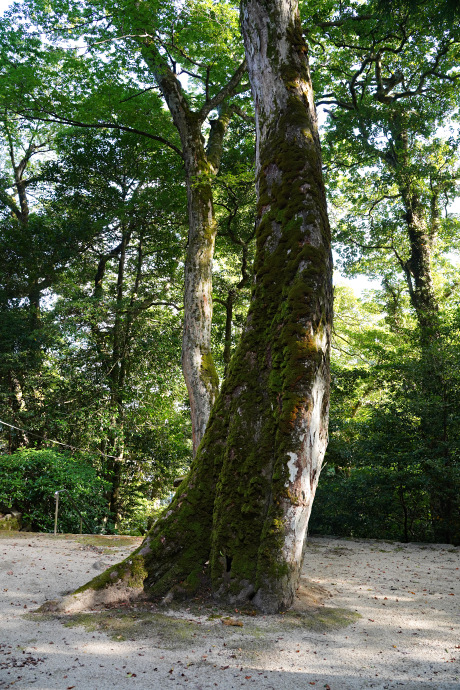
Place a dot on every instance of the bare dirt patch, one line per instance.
(370, 614)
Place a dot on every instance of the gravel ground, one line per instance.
(375, 615)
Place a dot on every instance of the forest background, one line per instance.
(95, 243)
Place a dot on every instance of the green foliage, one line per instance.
(389, 83)
(105, 374)
(109, 350)
(373, 503)
(393, 461)
(29, 478)
(139, 515)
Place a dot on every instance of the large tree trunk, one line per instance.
(277, 390)
(245, 506)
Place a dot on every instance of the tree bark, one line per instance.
(239, 520)
(277, 390)
(197, 361)
(419, 268)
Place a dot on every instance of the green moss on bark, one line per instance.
(281, 354)
(131, 572)
(208, 372)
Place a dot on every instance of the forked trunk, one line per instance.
(246, 503)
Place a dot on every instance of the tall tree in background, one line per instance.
(35, 251)
(111, 184)
(389, 83)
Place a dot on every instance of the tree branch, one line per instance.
(225, 92)
(101, 125)
(244, 116)
(139, 93)
(10, 203)
(385, 196)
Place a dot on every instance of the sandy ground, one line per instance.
(407, 596)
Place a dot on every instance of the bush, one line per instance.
(29, 478)
(373, 503)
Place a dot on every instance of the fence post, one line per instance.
(56, 495)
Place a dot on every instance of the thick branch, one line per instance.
(170, 88)
(215, 145)
(102, 264)
(10, 203)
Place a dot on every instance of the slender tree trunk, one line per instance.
(117, 382)
(201, 166)
(240, 517)
(197, 361)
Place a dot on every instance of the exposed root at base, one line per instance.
(309, 596)
(93, 599)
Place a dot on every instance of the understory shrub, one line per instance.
(29, 479)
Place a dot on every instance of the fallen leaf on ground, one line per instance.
(232, 621)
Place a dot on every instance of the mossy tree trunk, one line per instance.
(419, 267)
(240, 518)
(421, 235)
(276, 394)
